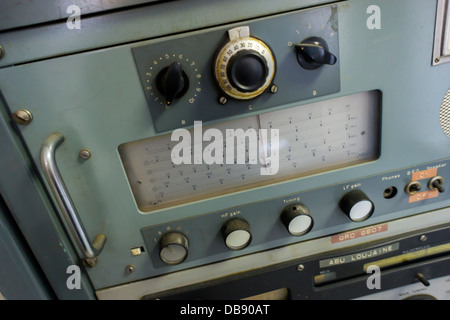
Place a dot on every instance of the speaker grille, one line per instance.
(444, 115)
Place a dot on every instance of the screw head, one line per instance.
(131, 268)
(423, 238)
(2, 52)
(22, 116)
(85, 153)
(223, 100)
(300, 267)
(274, 89)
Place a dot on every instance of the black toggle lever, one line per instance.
(422, 279)
(437, 183)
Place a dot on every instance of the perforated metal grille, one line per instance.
(444, 115)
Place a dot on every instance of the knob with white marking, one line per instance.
(173, 248)
(357, 205)
(297, 219)
(236, 234)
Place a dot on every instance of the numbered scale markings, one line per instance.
(312, 138)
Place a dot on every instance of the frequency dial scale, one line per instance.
(245, 66)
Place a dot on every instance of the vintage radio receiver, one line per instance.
(144, 139)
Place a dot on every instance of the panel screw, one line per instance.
(131, 268)
(2, 52)
(22, 116)
(85, 153)
(274, 89)
(423, 238)
(437, 60)
(300, 267)
(223, 100)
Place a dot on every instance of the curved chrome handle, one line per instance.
(69, 212)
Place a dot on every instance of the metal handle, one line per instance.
(69, 212)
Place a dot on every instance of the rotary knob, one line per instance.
(172, 82)
(245, 66)
(357, 205)
(173, 248)
(297, 219)
(313, 53)
(236, 234)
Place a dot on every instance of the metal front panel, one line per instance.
(95, 98)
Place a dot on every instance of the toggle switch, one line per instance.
(436, 183)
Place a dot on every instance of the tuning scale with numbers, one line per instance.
(323, 135)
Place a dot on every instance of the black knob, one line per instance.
(237, 234)
(247, 71)
(297, 219)
(173, 248)
(357, 206)
(172, 82)
(313, 53)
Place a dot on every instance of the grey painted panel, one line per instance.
(96, 100)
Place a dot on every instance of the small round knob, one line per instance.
(297, 219)
(236, 234)
(172, 82)
(313, 53)
(173, 248)
(357, 206)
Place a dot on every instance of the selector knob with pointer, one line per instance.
(313, 53)
(172, 82)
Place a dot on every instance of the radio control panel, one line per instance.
(222, 72)
(295, 217)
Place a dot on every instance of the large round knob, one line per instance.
(172, 82)
(245, 66)
(247, 71)
(357, 206)
(313, 53)
(297, 219)
(236, 234)
(173, 248)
